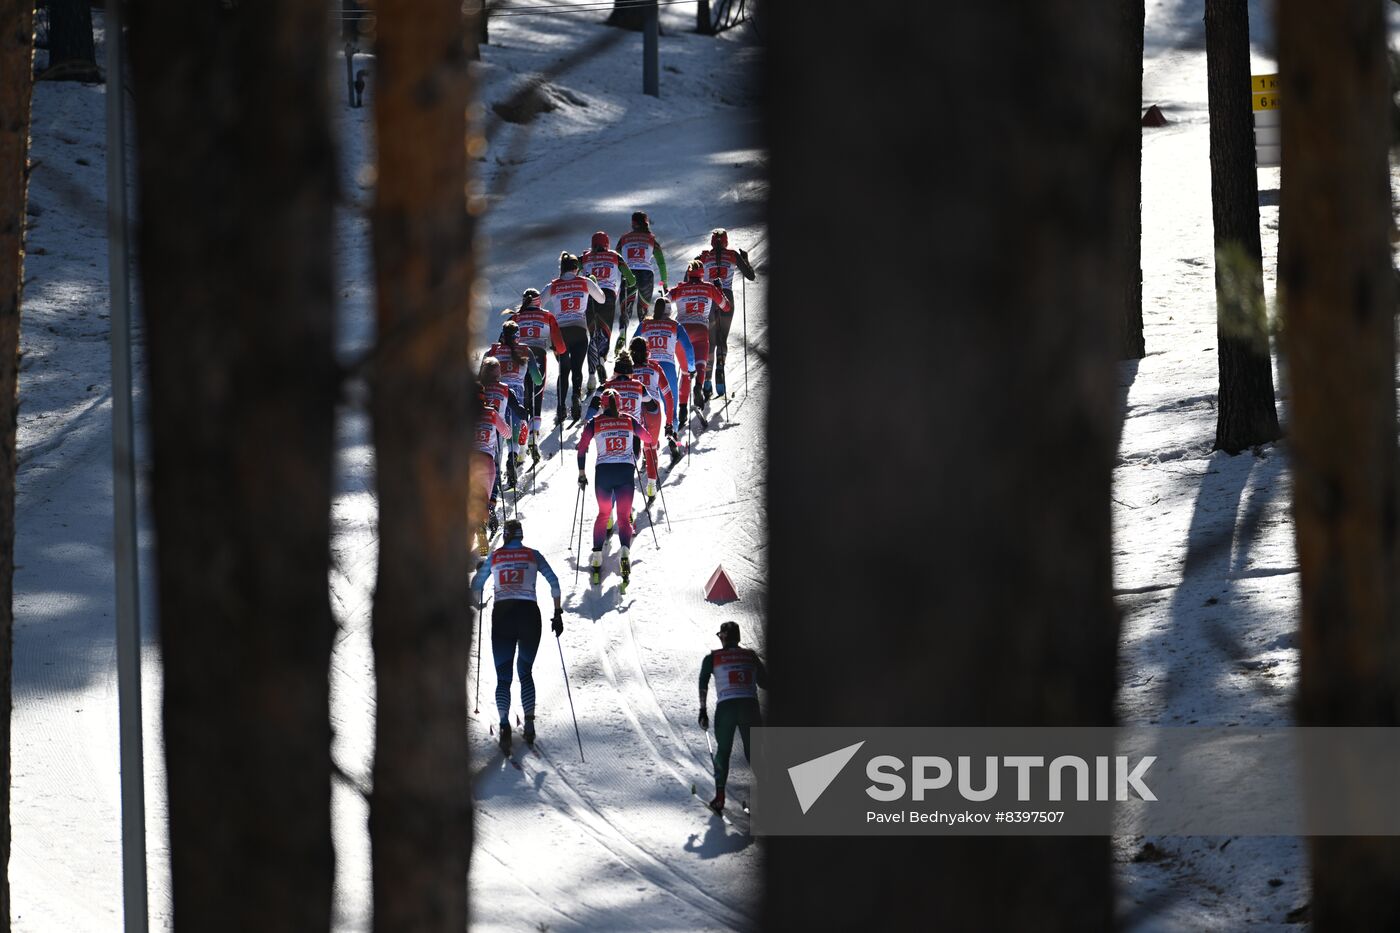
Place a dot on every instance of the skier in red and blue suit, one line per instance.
(515, 621)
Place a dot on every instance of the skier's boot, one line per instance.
(529, 732)
(503, 740)
(595, 566)
(698, 396)
(576, 407)
(674, 448)
(719, 380)
(651, 491)
(717, 804)
(683, 413)
(592, 382)
(534, 447)
(710, 389)
(621, 342)
(559, 413)
(511, 475)
(492, 522)
(625, 568)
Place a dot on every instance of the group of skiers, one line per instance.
(672, 367)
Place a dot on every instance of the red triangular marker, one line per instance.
(720, 589)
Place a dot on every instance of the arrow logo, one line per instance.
(811, 778)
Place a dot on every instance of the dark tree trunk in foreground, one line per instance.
(72, 55)
(236, 185)
(1245, 414)
(704, 24)
(628, 14)
(16, 70)
(987, 597)
(1129, 225)
(1339, 300)
(420, 809)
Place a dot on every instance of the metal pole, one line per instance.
(126, 569)
(744, 293)
(651, 43)
(570, 693)
(480, 610)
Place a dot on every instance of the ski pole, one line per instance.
(480, 608)
(578, 500)
(651, 519)
(662, 489)
(744, 301)
(578, 554)
(570, 693)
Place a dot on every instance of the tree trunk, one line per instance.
(236, 180)
(72, 56)
(1339, 301)
(1131, 345)
(628, 14)
(703, 23)
(16, 82)
(988, 602)
(1245, 414)
(420, 809)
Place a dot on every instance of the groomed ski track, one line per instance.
(618, 842)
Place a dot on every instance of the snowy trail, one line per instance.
(618, 842)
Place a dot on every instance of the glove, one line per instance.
(704, 718)
(582, 480)
(558, 623)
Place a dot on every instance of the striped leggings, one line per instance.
(515, 624)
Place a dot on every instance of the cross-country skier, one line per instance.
(517, 366)
(667, 344)
(607, 267)
(568, 296)
(721, 262)
(693, 299)
(503, 399)
(631, 394)
(650, 374)
(645, 258)
(486, 444)
(515, 621)
(539, 330)
(738, 673)
(616, 438)
(641, 400)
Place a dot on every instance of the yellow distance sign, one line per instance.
(1266, 101)
(1263, 83)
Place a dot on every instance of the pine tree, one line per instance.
(1338, 295)
(237, 184)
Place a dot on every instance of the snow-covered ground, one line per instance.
(1203, 542)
